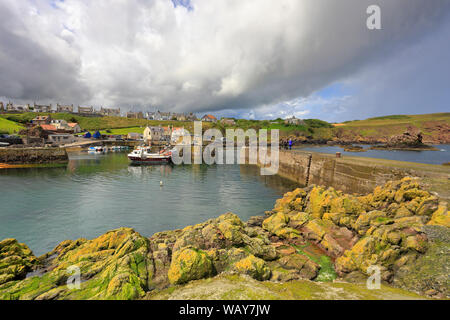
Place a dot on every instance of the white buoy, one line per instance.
(161, 183)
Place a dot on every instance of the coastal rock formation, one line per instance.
(16, 260)
(410, 138)
(314, 234)
(115, 265)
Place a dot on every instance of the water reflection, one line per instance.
(272, 181)
(97, 193)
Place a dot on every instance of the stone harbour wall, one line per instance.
(355, 174)
(33, 155)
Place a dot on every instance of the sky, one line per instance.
(255, 59)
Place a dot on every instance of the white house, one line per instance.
(162, 116)
(153, 134)
(17, 107)
(61, 124)
(42, 108)
(64, 108)
(177, 134)
(293, 120)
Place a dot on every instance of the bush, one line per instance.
(316, 123)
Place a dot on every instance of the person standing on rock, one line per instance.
(290, 144)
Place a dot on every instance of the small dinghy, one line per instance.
(97, 149)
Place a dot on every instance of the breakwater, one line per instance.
(33, 155)
(357, 174)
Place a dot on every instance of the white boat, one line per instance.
(144, 155)
(97, 149)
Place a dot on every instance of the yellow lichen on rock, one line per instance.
(278, 225)
(254, 267)
(16, 259)
(441, 217)
(189, 264)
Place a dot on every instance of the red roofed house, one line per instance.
(209, 118)
(40, 120)
(75, 127)
(48, 127)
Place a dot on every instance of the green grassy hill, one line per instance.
(9, 127)
(435, 127)
(312, 128)
(95, 123)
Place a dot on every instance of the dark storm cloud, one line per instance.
(30, 72)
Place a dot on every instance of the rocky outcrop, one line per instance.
(16, 260)
(311, 234)
(384, 228)
(117, 265)
(411, 139)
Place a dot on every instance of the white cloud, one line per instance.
(221, 55)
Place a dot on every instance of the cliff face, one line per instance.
(311, 234)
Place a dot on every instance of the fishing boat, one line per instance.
(144, 155)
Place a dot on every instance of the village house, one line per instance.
(179, 116)
(229, 122)
(49, 128)
(178, 134)
(10, 107)
(61, 139)
(74, 127)
(191, 117)
(60, 124)
(209, 118)
(167, 135)
(133, 136)
(110, 112)
(153, 134)
(162, 116)
(40, 120)
(64, 108)
(42, 108)
(135, 115)
(86, 110)
(294, 121)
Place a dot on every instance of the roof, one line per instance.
(72, 124)
(48, 127)
(209, 116)
(40, 118)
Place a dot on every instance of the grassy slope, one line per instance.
(9, 127)
(396, 124)
(379, 127)
(99, 123)
(313, 128)
(236, 287)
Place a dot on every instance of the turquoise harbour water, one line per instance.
(429, 157)
(96, 193)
